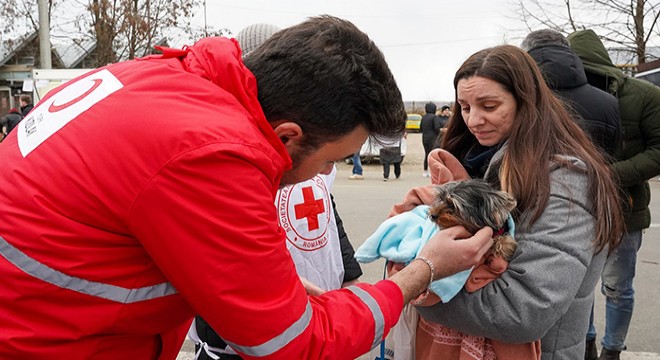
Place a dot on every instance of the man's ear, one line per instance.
(289, 132)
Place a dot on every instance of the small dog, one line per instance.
(475, 204)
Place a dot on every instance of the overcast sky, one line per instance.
(424, 41)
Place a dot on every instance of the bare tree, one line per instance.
(18, 20)
(121, 29)
(630, 25)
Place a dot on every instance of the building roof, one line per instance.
(9, 49)
(72, 53)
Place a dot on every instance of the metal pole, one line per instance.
(206, 33)
(44, 36)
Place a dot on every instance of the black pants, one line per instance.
(429, 145)
(209, 336)
(204, 356)
(386, 169)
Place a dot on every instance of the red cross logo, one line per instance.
(310, 209)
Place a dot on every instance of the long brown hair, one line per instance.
(542, 129)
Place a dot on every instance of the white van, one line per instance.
(370, 150)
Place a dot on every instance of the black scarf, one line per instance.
(476, 161)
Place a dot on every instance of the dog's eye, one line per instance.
(434, 217)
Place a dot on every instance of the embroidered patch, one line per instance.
(303, 214)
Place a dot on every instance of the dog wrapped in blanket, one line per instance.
(475, 204)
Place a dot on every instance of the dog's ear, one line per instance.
(503, 204)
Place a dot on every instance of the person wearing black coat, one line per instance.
(9, 121)
(597, 112)
(26, 104)
(430, 128)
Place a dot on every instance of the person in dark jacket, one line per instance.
(26, 104)
(430, 128)
(9, 121)
(596, 111)
(639, 161)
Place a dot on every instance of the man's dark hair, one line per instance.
(543, 37)
(328, 77)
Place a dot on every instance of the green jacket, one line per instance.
(639, 104)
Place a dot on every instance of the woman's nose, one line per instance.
(475, 119)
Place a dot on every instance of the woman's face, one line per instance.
(487, 108)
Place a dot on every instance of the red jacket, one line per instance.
(141, 194)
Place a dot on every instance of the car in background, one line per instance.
(370, 151)
(413, 122)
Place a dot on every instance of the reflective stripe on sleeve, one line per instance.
(109, 292)
(379, 318)
(280, 340)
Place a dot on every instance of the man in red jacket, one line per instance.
(142, 193)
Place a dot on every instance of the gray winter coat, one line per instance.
(547, 291)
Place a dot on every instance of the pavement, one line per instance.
(363, 204)
(187, 353)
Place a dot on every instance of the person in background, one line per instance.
(596, 111)
(639, 161)
(390, 154)
(510, 129)
(9, 121)
(429, 126)
(357, 167)
(444, 115)
(444, 119)
(108, 252)
(26, 104)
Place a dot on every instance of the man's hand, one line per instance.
(453, 250)
(450, 251)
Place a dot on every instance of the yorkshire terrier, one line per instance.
(475, 204)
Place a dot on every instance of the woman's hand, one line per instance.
(422, 195)
(311, 288)
(445, 167)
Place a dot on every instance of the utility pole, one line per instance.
(44, 36)
(206, 33)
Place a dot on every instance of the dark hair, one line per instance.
(543, 37)
(328, 77)
(542, 129)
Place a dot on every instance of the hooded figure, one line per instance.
(639, 161)
(639, 107)
(597, 112)
(430, 128)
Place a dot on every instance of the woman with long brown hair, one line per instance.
(509, 128)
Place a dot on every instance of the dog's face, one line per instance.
(473, 204)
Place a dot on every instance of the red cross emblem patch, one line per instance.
(304, 213)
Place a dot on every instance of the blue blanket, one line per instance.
(400, 238)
